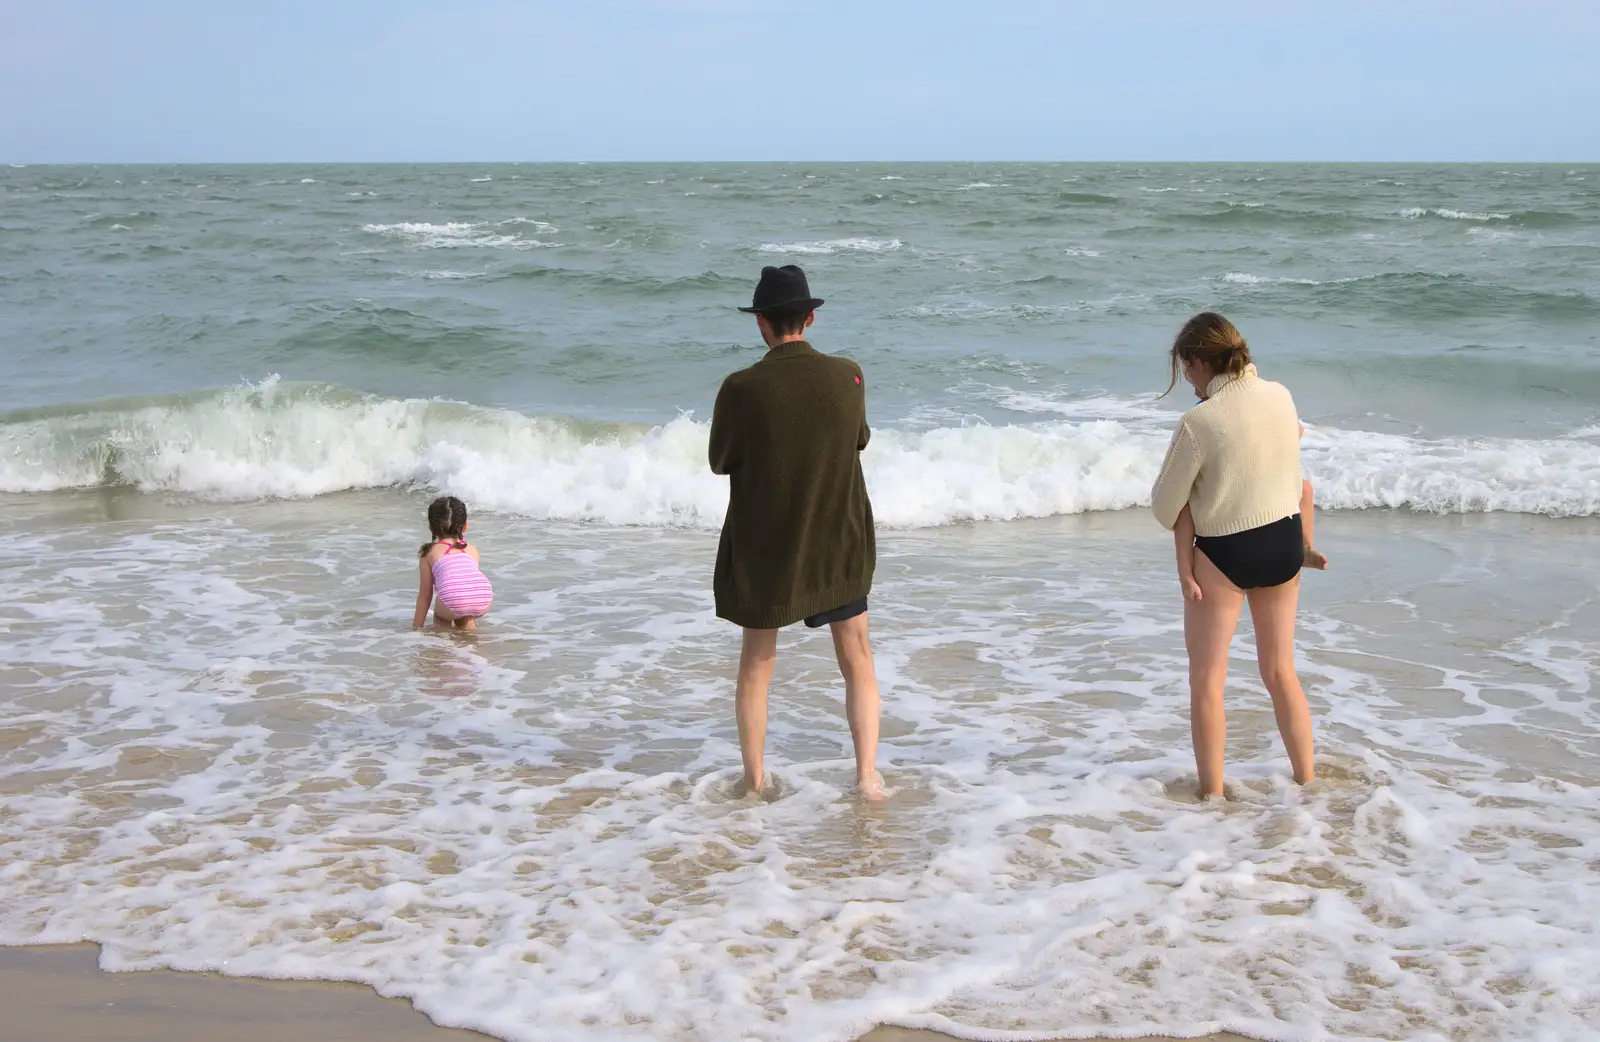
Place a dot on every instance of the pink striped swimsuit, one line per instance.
(460, 584)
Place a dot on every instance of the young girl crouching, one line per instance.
(448, 576)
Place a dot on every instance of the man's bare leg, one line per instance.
(853, 646)
(756, 659)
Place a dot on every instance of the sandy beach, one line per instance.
(59, 994)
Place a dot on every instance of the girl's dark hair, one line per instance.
(447, 516)
(787, 321)
(1214, 341)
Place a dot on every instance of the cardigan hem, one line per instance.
(1245, 524)
(776, 617)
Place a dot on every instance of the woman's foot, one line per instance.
(1316, 559)
(870, 789)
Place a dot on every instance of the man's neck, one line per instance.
(794, 339)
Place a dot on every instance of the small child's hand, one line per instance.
(1191, 589)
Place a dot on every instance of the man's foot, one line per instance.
(1316, 559)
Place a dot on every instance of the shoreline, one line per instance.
(59, 993)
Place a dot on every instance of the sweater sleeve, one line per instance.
(1176, 481)
(724, 449)
(865, 434)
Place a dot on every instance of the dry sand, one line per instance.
(59, 995)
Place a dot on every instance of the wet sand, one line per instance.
(59, 994)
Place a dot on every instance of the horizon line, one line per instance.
(23, 164)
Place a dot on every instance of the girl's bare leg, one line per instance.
(853, 646)
(1208, 625)
(441, 615)
(1272, 610)
(1308, 520)
(757, 658)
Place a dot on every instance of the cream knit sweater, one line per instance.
(1235, 459)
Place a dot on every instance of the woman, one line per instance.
(1234, 466)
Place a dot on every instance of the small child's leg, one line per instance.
(1314, 558)
(442, 615)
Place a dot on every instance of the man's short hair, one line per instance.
(787, 321)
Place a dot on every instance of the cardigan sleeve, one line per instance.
(1176, 481)
(865, 434)
(724, 439)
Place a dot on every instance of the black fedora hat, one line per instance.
(782, 288)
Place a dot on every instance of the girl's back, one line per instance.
(458, 581)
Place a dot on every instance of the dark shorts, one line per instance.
(1259, 557)
(849, 611)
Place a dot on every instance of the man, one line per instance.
(798, 543)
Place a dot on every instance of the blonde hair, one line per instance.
(1213, 341)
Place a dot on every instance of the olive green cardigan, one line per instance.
(798, 538)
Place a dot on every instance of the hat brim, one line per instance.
(809, 303)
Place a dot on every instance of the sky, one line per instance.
(751, 80)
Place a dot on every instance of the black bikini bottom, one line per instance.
(1258, 557)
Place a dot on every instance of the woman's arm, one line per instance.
(424, 593)
(1183, 540)
(1182, 465)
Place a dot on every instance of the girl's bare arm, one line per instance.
(424, 593)
(1183, 542)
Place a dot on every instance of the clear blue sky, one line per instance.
(293, 80)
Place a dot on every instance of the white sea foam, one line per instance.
(853, 245)
(1246, 279)
(541, 227)
(308, 180)
(271, 440)
(481, 180)
(225, 750)
(978, 184)
(455, 235)
(1453, 215)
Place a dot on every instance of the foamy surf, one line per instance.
(277, 440)
(458, 234)
(854, 245)
(225, 750)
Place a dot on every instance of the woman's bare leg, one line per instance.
(757, 658)
(1272, 610)
(1308, 522)
(853, 645)
(1208, 625)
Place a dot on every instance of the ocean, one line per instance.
(230, 392)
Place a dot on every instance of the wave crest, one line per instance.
(278, 440)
